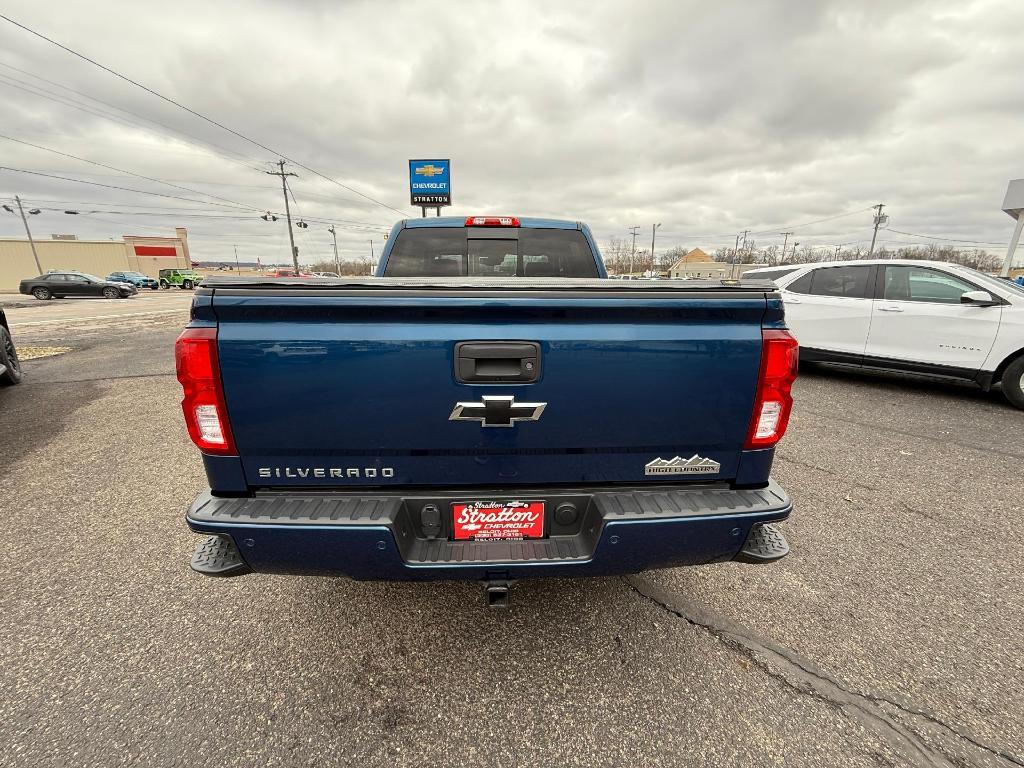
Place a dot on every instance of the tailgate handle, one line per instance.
(497, 362)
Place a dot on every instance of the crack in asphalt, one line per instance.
(49, 382)
(834, 473)
(890, 429)
(805, 678)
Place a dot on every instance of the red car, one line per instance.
(287, 273)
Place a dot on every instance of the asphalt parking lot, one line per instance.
(890, 636)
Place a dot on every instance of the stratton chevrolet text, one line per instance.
(486, 407)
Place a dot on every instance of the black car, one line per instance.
(10, 366)
(60, 284)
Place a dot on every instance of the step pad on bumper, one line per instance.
(218, 556)
(561, 548)
(764, 544)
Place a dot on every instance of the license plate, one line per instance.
(498, 520)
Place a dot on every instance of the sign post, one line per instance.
(1013, 205)
(430, 184)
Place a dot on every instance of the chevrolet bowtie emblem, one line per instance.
(497, 411)
(429, 170)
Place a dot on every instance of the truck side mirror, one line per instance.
(978, 298)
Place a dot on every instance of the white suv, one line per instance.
(923, 317)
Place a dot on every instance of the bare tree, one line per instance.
(670, 256)
(348, 267)
(616, 255)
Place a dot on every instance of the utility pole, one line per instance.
(334, 236)
(371, 251)
(879, 219)
(785, 240)
(287, 210)
(237, 268)
(654, 229)
(632, 253)
(28, 232)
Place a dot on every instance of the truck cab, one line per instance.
(490, 246)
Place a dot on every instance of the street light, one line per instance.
(654, 229)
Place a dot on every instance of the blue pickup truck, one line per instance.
(486, 407)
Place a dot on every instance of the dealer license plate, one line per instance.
(498, 520)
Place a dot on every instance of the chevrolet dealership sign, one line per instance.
(430, 182)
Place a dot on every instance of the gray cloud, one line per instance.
(709, 119)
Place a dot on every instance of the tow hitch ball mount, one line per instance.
(496, 593)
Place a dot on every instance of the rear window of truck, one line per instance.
(455, 252)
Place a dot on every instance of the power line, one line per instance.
(86, 212)
(947, 239)
(66, 101)
(191, 111)
(809, 223)
(222, 217)
(111, 202)
(106, 186)
(129, 173)
(773, 230)
(202, 143)
(63, 100)
(191, 213)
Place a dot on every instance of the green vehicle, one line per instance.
(186, 279)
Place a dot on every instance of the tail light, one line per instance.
(779, 360)
(492, 221)
(206, 417)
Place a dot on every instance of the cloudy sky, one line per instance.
(710, 118)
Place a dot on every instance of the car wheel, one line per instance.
(111, 293)
(164, 284)
(186, 285)
(43, 294)
(9, 358)
(154, 287)
(1013, 382)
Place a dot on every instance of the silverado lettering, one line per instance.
(337, 472)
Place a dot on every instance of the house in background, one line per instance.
(697, 264)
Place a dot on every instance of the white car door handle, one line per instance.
(792, 301)
(890, 309)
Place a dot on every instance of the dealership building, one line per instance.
(134, 253)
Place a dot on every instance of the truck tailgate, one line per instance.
(354, 383)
